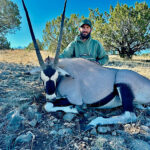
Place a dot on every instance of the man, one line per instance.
(86, 47)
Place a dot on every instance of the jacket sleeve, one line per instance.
(68, 51)
(102, 57)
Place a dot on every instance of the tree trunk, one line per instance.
(126, 53)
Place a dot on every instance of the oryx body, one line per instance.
(92, 83)
(101, 87)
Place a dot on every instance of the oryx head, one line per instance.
(50, 72)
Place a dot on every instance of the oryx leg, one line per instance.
(128, 116)
(60, 105)
(126, 96)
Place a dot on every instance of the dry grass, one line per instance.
(140, 64)
(21, 56)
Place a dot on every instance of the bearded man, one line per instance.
(85, 47)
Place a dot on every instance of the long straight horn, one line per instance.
(41, 62)
(60, 36)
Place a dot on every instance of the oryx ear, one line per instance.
(63, 72)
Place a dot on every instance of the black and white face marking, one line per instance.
(49, 77)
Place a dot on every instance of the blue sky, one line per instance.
(41, 11)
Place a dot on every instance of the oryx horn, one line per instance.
(60, 36)
(40, 59)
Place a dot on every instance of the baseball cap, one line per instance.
(86, 21)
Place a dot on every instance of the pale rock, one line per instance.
(68, 117)
(67, 131)
(101, 129)
(25, 138)
(137, 144)
(15, 121)
(53, 132)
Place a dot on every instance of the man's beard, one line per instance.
(83, 36)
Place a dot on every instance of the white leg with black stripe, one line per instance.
(49, 107)
(126, 117)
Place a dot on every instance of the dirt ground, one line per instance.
(24, 94)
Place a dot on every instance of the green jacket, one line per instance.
(90, 49)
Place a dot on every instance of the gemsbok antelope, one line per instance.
(76, 81)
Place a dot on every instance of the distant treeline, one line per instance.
(124, 29)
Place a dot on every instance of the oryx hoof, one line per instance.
(48, 106)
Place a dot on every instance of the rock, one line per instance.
(62, 132)
(25, 138)
(148, 111)
(114, 133)
(33, 123)
(68, 117)
(55, 120)
(117, 143)
(53, 132)
(33, 116)
(147, 122)
(3, 77)
(15, 121)
(5, 73)
(31, 113)
(9, 115)
(100, 142)
(51, 124)
(122, 133)
(57, 126)
(145, 128)
(2, 124)
(8, 140)
(38, 117)
(93, 132)
(101, 129)
(137, 144)
(147, 137)
(110, 142)
(85, 138)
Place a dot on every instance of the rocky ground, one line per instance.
(24, 125)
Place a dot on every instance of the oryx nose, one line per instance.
(50, 87)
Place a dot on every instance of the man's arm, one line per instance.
(68, 51)
(102, 57)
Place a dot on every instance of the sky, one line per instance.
(41, 11)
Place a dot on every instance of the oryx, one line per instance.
(78, 81)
